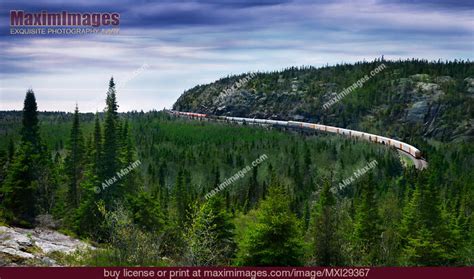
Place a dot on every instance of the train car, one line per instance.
(279, 122)
(218, 117)
(330, 129)
(295, 124)
(417, 153)
(260, 121)
(395, 144)
(414, 151)
(345, 132)
(235, 119)
(199, 115)
(320, 127)
(307, 125)
(341, 131)
(275, 122)
(249, 120)
(384, 141)
(356, 134)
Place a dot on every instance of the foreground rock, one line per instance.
(25, 247)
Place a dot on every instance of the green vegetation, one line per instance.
(282, 212)
(275, 239)
(409, 99)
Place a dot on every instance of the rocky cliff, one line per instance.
(431, 100)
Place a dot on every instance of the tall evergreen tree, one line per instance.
(96, 150)
(11, 149)
(253, 191)
(129, 184)
(180, 197)
(30, 123)
(324, 230)
(88, 219)
(210, 235)
(275, 239)
(20, 187)
(23, 181)
(75, 160)
(423, 230)
(366, 229)
(111, 148)
(146, 212)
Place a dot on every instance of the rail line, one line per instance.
(404, 148)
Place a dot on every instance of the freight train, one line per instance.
(413, 151)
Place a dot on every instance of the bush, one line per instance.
(129, 245)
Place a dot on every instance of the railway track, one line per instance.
(403, 148)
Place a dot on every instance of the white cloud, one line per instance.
(265, 38)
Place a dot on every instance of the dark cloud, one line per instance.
(449, 4)
(193, 42)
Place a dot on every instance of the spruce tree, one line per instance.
(88, 219)
(20, 187)
(366, 236)
(324, 229)
(11, 149)
(180, 197)
(275, 239)
(129, 182)
(96, 151)
(164, 190)
(253, 191)
(423, 231)
(30, 123)
(111, 152)
(22, 184)
(146, 212)
(75, 161)
(210, 236)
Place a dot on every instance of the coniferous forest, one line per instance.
(134, 186)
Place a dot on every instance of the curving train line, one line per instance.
(404, 148)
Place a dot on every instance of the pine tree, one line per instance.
(146, 212)
(22, 185)
(30, 123)
(164, 190)
(253, 191)
(88, 219)
(423, 230)
(96, 150)
(210, 235)
(11, 149)
(180, 197)
(324, 231)
(366, 229)
(75, 161)
(110, 157)
(275, 239)
(128, 157)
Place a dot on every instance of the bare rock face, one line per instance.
(23, 247)
(424, 103)
(470, 84)
(425, 97)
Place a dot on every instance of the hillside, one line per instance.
(404, 99)
(149, 189)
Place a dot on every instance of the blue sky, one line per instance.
(166, 47)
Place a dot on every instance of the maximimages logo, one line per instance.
(59, 23)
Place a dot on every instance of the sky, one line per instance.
(166, 47)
